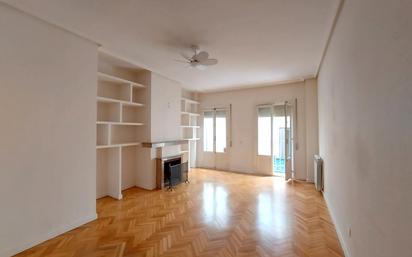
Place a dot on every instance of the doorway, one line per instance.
(275, 137)
(281, 140)
(215, 137)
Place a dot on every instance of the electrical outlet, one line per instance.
(350, 232)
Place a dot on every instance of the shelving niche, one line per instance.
(189, 125)
(121, 123)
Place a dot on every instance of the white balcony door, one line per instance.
(215, 138)
(275, 130)
(264, 139)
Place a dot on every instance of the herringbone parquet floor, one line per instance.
(219, 214)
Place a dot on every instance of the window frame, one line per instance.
(213, 132)
(227, 117)
(226, 130)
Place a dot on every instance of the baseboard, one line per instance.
(33, 242)
(145, 187)
(338, 232)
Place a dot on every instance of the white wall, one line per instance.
(165, 108)
(47, 131)
(365, 127)
(312, 130)
(165, 104)
(241, 156)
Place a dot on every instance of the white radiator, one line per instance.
(318, 165)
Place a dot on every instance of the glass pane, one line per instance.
(288, 140)
(264, 133)
(220, 131)
(279, 139)
(208, 131)
(279, 136)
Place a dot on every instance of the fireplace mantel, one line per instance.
(161, 144)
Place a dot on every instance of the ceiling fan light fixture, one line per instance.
(199, 60)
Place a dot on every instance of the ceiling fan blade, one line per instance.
(186, 57)
(201, 56)
(208, 62)
(176, 60)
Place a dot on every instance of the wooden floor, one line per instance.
(217, 214)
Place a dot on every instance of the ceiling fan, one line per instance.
(200, 59)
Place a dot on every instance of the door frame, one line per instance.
(289, 162)
(216, 155)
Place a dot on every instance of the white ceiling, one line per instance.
(256, 42)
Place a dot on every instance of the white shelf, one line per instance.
(189, 100)
(191, 113)
(118, 145)
(121, 123)
(105, 146)
(111, 78)
(189, 126)
(120, 126)
(112, 100)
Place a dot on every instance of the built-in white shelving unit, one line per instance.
(189, 126)
(110, 78)
(112, 100)
(121, 124)
(190, 101)
(190, 113)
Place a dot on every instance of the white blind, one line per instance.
(221, 114)
(208, 114)
(264, 111)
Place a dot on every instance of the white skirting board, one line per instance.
(41, 238)
(338, 232)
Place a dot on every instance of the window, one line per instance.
(215, 131)
(208, 131)
(220, 131)
(264, 130)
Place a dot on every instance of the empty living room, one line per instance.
(219, 128)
